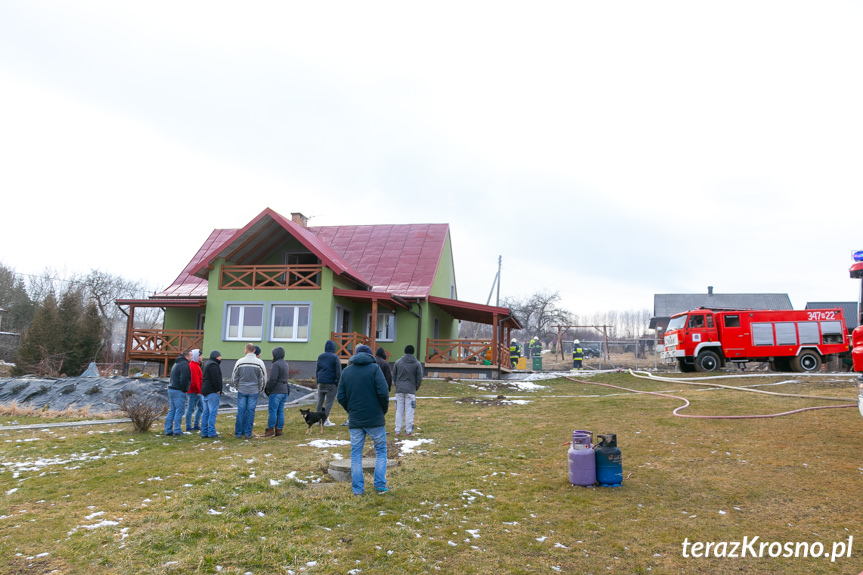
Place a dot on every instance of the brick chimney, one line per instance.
(709, 288)
(300, 219)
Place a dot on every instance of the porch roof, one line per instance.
(476, 312)
(163, 302)
(389, 300)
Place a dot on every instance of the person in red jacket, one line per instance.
(195, 404)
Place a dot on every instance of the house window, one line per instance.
(386, 328)
(244, 322)
(290, 322)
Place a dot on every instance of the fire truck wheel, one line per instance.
(806, 361)
(707, 361)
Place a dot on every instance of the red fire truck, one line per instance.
(706, 339)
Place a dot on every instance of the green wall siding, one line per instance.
(177, 318)
(320, 326)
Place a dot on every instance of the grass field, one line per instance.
(487, 493)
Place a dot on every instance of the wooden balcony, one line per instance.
(464, 353)
(163, 345)
(270, 277)
(347, 342)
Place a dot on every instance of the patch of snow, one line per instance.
(105, 523)
(408, 445)
(324, 443)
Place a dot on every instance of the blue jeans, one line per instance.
(194, 407)
(174, 419)
(358, 438)
(211, 407)
(246, 404)
(277, 410)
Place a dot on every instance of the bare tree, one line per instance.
(103, 289)
(537, 313)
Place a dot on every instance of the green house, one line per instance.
(278, 282)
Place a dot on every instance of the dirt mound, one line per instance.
(484, 401)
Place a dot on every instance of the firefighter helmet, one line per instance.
(576, 341)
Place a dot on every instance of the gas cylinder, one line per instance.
(609, 462)
(582, 461)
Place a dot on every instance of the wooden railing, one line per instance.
(160, 343)
(463, 351)
(271, 277)
(347, 342)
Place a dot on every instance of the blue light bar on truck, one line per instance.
(858, 256)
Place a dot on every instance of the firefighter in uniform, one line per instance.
(577, 354)
(514, 352)
(535, 347)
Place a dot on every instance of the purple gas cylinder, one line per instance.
(582, 461)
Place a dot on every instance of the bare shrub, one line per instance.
(142, 411)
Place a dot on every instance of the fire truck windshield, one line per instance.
(676, 323)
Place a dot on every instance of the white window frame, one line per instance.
(294, 304)
(390, 322)
(242, 305)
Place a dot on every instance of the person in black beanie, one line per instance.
(211, 389)
(381, 359)
(407, 376)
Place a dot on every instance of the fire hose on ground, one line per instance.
(701, 382)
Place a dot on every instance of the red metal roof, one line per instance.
(187, 285)
(396, 259)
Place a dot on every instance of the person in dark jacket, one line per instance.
(211, 390)
(381, 359)
(408, 376)
(181, 378)
(363, 393)
(327, 373)
(277, 392)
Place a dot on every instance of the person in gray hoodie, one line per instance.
(277, 390)
(249, 375)
(407, 377)
(328, 370)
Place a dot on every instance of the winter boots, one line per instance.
(278, 431)
(268, 432)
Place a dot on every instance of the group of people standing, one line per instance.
(203, 386)
(362, 389)
(531, 349)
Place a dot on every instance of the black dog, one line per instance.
(313, 417)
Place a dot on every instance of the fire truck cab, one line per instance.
(706, 339)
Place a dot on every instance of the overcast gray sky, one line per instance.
(608, 151)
